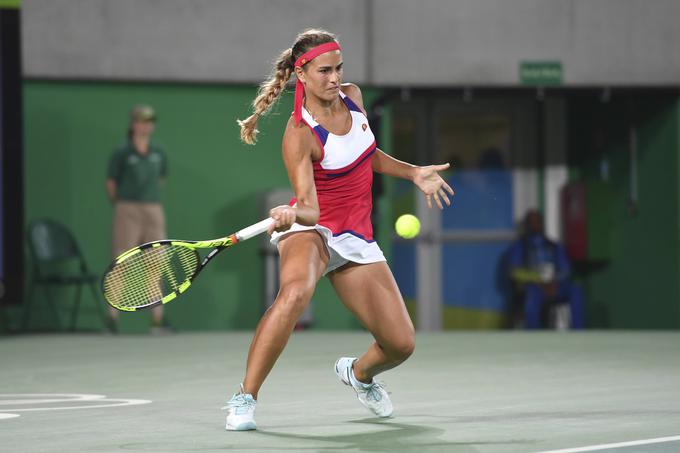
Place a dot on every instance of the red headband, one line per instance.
(300, 62)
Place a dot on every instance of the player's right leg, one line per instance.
(303, 260)
(126, 233)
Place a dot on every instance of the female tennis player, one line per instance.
(330, 154)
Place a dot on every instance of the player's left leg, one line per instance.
(370, 292)
(126, 232)
(154, 230)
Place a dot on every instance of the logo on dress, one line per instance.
(364, 126)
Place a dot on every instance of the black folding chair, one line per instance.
(57, 261)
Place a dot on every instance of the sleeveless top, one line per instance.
(344, 176)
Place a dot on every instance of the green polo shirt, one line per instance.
(138, 176)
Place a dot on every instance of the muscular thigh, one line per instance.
(302, 258)
(371, 293)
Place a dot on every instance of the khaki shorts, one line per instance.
(135, 223)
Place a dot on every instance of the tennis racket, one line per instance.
(157, 272)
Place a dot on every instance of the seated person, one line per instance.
(540, 271)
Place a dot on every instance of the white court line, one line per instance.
(657, 440)
(121, 402)
(97, 401)
(26, 398)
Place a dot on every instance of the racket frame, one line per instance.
(216, 244)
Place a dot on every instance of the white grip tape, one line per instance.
(254, 230)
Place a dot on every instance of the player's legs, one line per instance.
(370, 292)
(126, 233)
(303, 259)
(154, 230)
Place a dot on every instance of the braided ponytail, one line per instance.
(269, 92)
(271, 89)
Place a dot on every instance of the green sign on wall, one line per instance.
(10, 3)
(540, 72)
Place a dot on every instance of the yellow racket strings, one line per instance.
(148, 276)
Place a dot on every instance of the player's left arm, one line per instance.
(426, 178)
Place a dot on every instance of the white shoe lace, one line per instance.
(373, 391)
(240, 403)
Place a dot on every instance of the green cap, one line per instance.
(142, 112)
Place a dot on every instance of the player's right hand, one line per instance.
(284, 217)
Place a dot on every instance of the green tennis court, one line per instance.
(460, 392)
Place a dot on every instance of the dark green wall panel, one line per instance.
(638, 287)
(213, 186)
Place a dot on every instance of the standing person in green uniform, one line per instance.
(135, 176)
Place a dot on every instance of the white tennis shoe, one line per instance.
(241, 412)
(373, 396)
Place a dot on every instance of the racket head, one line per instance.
(151, 274)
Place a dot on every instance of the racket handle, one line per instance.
(254, 230)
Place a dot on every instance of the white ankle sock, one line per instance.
(356, 382)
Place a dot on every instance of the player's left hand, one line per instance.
(433, 186)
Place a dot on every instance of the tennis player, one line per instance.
(330, 154)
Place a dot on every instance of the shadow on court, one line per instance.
(394, 437)
(554, 416)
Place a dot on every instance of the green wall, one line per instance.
(639, 286)
(212, 188)
(10, 4)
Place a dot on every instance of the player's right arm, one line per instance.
(298, 150)
(111, 189)
(112, 175)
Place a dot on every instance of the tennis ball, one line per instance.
(407, 226)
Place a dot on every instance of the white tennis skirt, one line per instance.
(342, 249)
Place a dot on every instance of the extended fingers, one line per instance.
(442, 195)
(438, 200)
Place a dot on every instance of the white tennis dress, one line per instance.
(343, 179)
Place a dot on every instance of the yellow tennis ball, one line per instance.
(407, 226)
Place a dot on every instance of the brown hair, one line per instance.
(271, 89)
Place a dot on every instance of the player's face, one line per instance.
(323, 75)
(143, 128)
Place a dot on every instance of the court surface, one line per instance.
(461, 392)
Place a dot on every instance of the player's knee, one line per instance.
(293, 298)
(402, 349)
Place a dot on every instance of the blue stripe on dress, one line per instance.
(351, 105)
(355, 234)
(321, 133)
(337, 175)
